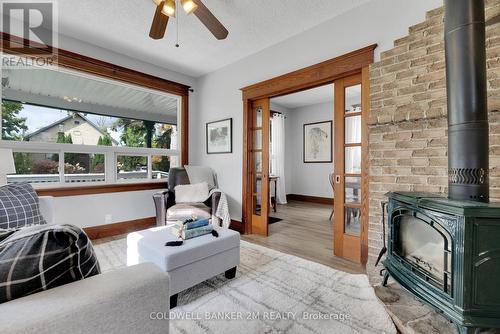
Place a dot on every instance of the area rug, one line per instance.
(273, 292)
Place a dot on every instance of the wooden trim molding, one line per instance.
(111, 230)
(237, 226)
(310, 199)
(101, 189)
(312, 76)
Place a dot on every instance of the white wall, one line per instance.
(218, 95)
(306, 178)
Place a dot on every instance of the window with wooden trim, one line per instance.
(66, 127)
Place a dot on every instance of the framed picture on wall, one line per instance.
(318, 142)
(220, 136)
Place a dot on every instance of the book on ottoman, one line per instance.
(190, 224)
(191, 228)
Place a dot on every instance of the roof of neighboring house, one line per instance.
(62, 120)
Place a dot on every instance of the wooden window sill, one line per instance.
(100, 189)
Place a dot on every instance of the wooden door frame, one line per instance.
(310, 77)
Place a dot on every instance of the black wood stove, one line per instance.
(446, 251)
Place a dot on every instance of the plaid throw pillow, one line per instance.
(19, 206)
(37, 258)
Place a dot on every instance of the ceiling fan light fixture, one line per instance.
(189, 6)
(169, 8)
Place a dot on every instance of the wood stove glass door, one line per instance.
(349, 174)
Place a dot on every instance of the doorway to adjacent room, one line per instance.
(341, 137)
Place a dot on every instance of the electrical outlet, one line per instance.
(108, 219)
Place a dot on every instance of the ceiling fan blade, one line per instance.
(159, 25)
(210, 21)
(493, 20)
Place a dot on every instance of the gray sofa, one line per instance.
(120, 301)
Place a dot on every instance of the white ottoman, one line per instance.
(197, 260)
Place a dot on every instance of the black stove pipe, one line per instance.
(468, 142)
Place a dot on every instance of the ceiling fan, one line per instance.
(166, 9)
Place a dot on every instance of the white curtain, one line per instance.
(278, 156)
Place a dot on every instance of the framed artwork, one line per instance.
(220, 136)
(318, 142)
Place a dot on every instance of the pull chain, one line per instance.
(177, 26)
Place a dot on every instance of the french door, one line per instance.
(350, 168)
(259, 170)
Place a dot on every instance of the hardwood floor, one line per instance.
(306, 232)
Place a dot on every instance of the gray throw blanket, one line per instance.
(221, 217)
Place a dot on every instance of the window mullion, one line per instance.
(61, 166)
(150, 167)
(110, 167)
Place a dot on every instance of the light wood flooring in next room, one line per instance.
(306, 232)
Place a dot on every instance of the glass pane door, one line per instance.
(259, 155)
(257, 161)
(352, 158)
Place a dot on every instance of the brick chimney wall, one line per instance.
(408, 124)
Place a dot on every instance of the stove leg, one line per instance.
(468, 330)
(386, 278)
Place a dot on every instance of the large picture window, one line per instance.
(67, 128)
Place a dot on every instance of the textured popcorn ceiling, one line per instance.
(123, 26)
